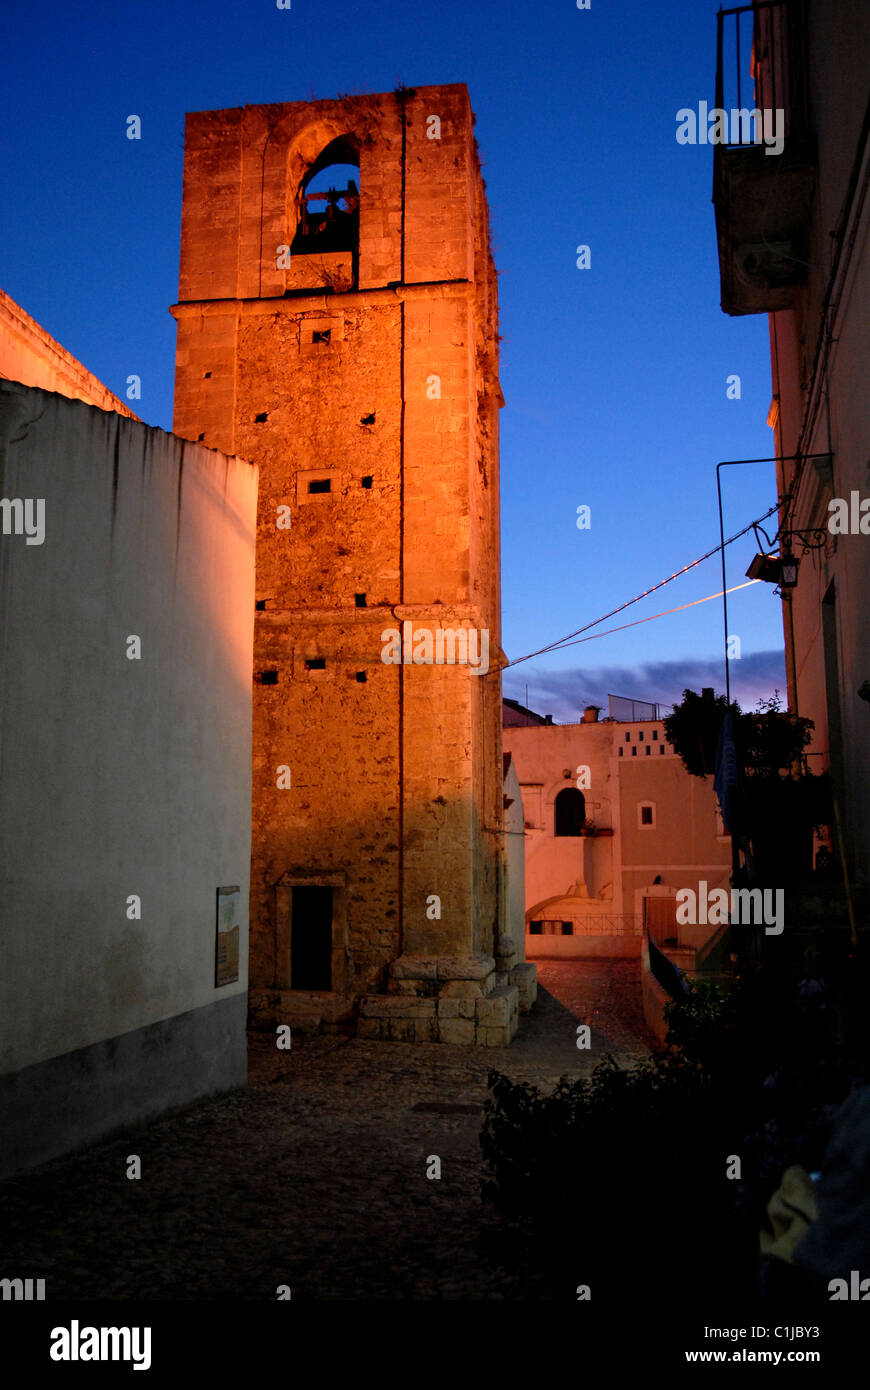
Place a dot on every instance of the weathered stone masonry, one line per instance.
(363, 381)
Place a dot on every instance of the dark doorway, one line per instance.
(570, 811)
(311, 939)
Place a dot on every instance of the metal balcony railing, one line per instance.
(764, 161)
(631, 711)
(761, 65)
(594, 924)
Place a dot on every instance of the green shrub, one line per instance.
(619, 1181)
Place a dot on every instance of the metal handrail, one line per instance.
(778, 62)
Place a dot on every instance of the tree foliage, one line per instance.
(769, 740)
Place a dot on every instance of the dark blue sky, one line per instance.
(614, 377)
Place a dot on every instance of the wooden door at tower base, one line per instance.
(311, 938)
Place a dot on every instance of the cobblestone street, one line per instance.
(315, 1175)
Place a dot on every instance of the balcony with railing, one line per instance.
(591, 924)
(764, 167)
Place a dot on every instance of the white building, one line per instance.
(615, 827)
(125, 739)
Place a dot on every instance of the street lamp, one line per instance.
(765, 567)
(788, 571)
(775, 569)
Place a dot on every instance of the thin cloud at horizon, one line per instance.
(564, 694)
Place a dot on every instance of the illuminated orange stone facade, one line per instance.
(348, 346)
(30, 355)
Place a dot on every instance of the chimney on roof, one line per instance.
(548, 718)
(591, 713)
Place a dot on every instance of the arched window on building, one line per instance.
(328, 202)
(570, 812)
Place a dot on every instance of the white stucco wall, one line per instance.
(547, 758)
(119, 776)
(682, 846)
(515, 863)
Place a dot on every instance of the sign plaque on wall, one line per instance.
(226, 962)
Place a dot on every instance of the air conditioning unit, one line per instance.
(765, 264)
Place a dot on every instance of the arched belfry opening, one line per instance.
(327, 203)
(570, 812)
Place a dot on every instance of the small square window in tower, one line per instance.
(311, 938)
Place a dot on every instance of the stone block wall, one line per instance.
(443, 999)
(371, 409)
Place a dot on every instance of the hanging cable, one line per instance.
(566, 641)
(622, 627)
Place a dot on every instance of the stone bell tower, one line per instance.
(337, 325)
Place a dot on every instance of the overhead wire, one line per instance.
(695, 601)
(567, 640)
